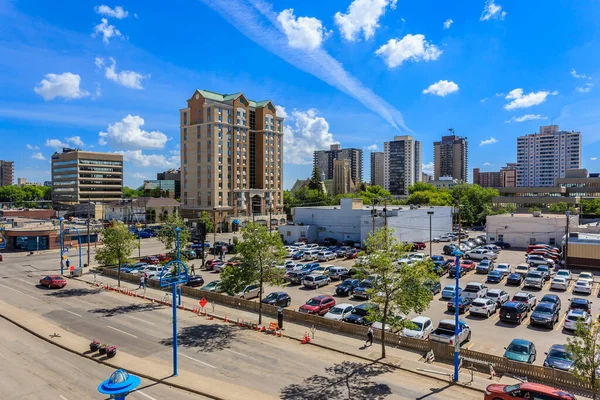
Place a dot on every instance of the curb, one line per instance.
(109, 364)
(379, 361)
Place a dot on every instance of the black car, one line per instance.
(513, 311)
(514, 279)
(359, 313)
(347, 287)
(440, 267)
(353, 273)
(464, 304)
(495, 277)
(436, 287)
(545, 314)
(452, 272)
(502, 245)
(577, 303)
(552, 298)
(195, 280)
(280, 299)
(449, 249)
(478, 228)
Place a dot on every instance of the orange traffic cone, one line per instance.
(225, 319)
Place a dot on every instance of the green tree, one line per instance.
(585, 351)
(258, 255)
(119, 243)
(473, 201)
(421, 187)
(560, 208)
(168, 236)
(315, 180)
(205, 217)
(398, 288)
(431, 198)
(129, 193)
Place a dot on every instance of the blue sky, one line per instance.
(112, 76)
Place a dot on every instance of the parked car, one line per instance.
(440, 267)
(521, 350)
(339, 312)
(391, 323)
(484, 307)
(552, 298)
(502, 245)
(152, 260)
(546, 272)
(449, 249)
(346, 288)
(513, 311)
(434, 286)
(53, 281)
(421, 328)
(298, 255)
(319, 305)
(464, 303)
(311, 267)
(535, 260)
(484, 267)
(444, 333)
(495, 277)
(468, 265)
(534, 279)
(514, 279)
(498, 295)
(574, 316)
(280, 299)
(559, 283)
(522, 269)
(504, 268)
(361, 291)
(214, 286)
(354, 273)
(558, 357)
(142, 235)
(295, 277)
(525, 390)
(564, 273)
(294, 267)
(475, 290)
(249, 292)
(586, 276)
(326, 256)
(220, 266)
(419, 245)
(165, 258)
(336, 272)
(449, 291)
(314, 281)
(481, 254)
(443, 238)
(582, 287)
(352, 254)
(526, 298)
(195, 280)
(545, 314)
(452, 272)
(359, 314)
(310, 255)
(577, 303)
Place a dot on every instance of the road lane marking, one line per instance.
(469, 346)
(118, 330)
(18, 291)
(23, 280)
(561, 322)
(570, 286)
(596, 290)
(141, 320)
(144, 394)
(63, 397)
(71, 312)
(198, 361)
(496, 316)
(239, 354)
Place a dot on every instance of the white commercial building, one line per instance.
(521, 230)
(353, 221)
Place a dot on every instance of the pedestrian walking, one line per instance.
(68, 263)
(369, 337)
(142, 280)
(193, 270)
(145, 279)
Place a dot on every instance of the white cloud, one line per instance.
(593, 158)
(448, 23)
(373, 147)
(428, 168)
(519, 100)
(483, 100)
(76, 140)
(362, 15)
(257, 21)
(500, 94)
(31, 147)
(281, 111)
(306, 33)
(130, 79)
(65, 85)
(492, 11)
(585, 89)
(487, 164)
(99, 62)
(410, 47)
(441, 88)
(118, 12)
(491, 140)
(106, 30)
(149, 160)
(579, 76)
(306, 133)
(139, 176)
(56, 144)
(38, 156)
(127, 134)
(97, 92)
(526, 117)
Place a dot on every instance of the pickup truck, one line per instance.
(445, 333)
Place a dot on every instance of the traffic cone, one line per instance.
(211, 318)
(225, 319)
(263, 329)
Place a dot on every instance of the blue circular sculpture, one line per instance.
(119, 384)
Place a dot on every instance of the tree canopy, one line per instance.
(24, 196)
(585, 351)
(316, 183)
(119, 243)
(167, 234)
(130, 193)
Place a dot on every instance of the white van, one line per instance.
(310, 255)
(336, 272)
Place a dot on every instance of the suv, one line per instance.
(481, 254)
(545, 314)
(526, 298)
(534, 279)
(310, 255)
(535, 260)
(513, 311)
(336, 272)
(249, 292)
(360, 292)
(319, 305)
(358, 314)
(475, 290)
(449, 249)
(326, 256)
(314, 281)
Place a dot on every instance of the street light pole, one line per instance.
(457, 327)
(568, 214)
(430, 213)
(88, 232)
(60, 227)
(214, 232)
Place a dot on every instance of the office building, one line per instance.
(7, 172)
(402, 164)
(342, 180)
(231, 159)
(81, 176)
(323, 159)
(450, 157)
(487, 179)
(165, 188)
(509, 175)
(171, 175)
(542, 157)
(377, 164)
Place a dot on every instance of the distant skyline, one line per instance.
(113, 76)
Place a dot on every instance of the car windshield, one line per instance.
(494, 273)
(518, 348)
(473, 289)
(449, 288)
(519, 298)
(544, 308)
(512, 388)
(575, 317)
(360, 311)
(418, 326)
(562, 273)
(502, 266)
(586, 275)
(313, 302)
(492, 294)
(556, 353)
(534, 275)
(365, 284)
(581, 283)
(336, 310)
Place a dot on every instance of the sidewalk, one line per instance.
(398, 358)
(149, 368)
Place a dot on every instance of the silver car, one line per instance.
(314, 281)
(249, 292)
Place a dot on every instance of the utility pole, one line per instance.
(457, 326)
(88, 232)
(214, 233)
(430, 214)
(270, 219)
(568, 214)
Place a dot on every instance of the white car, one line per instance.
(339, 311)
(522, 269)
(529, 299)
(151, 270)
(326, 256)
(504, 268)
(564, 273)
(497, 295)
(485, 307)
(442, 238)
(417, 256)
(582, 286)
(423, 327)
(293, 267)
(289, 262)
(559, 283)
(406, 261)
(577, 315)
(475, 290)
(586, 276)
(481, 254)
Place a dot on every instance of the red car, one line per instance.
(525, 390)
(469, 265)
(352, 254)
(152, 260)
(163, 258)
(210, 264)
(419, 245)
(53, 281)
(319, 305)
(0, 257)
(544, 253)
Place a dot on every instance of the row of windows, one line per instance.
(70, 162)
(65, 169)
(65, 183)
(101, 162)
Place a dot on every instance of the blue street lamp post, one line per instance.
(174, 288)
(457, 326)
(62, 262)
(119, 385)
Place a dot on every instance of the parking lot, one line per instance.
(488, 335)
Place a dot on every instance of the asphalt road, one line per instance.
(33, 369)
(222, 351)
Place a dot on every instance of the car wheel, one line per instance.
(468, 337)
(532, 265)
(488, 314)
(49, 285)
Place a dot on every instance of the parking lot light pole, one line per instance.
(430, 213)
(566, 252)
(457, 327)
(60, 227)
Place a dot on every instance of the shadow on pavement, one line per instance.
(109, 312)
(73, 292)
(346, 380)
(435, 391)
(205, 338)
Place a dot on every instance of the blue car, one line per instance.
(298, 255)
(558, 357)
(311, 267)
(142, 235)
(495, 277)
(448, 291)
(438, 258)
